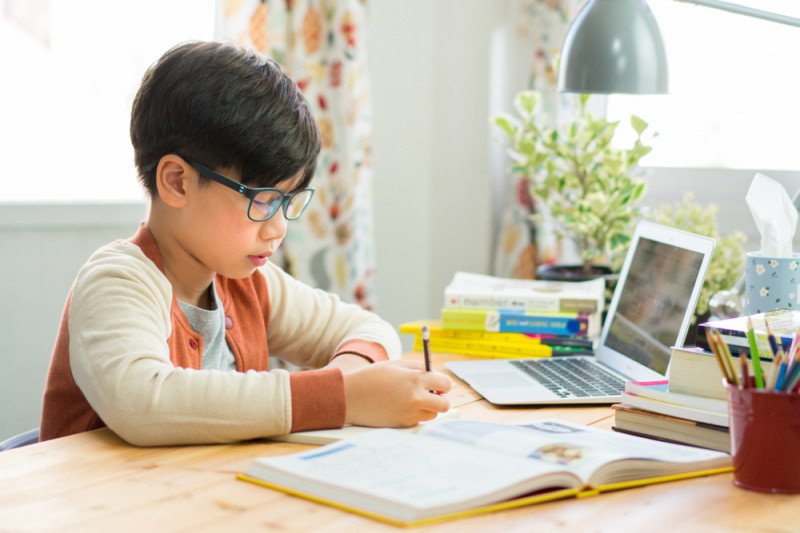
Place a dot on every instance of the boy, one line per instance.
(165, 337)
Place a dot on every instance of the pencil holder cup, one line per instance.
(771, 283)
(765, 439)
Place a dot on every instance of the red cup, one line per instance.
(765, 439)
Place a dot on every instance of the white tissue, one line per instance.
(774, 214)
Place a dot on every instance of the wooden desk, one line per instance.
(96, 482)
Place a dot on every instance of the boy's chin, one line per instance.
(239, 273)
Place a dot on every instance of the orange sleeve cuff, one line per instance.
(317, 399)
(371, 351)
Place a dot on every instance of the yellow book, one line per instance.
(485, 348)
(459, 468)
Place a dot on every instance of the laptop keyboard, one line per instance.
(572, 377)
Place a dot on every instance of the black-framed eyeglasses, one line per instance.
(264, 201)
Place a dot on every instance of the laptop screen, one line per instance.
(653, 303)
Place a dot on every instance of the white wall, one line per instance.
(430, 69)
(42, 249)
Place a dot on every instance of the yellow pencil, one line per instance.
(712, 343)
(727, 358)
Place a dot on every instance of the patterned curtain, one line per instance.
(320, 44)
(539, 29)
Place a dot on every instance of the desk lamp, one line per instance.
(615, 46)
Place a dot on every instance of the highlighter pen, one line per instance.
(754, 355)
(426, 350)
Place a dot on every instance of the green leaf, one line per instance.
(638, 124)
(507, 124)
(527, 103)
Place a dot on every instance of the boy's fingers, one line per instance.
(438, 382)
(437, 403)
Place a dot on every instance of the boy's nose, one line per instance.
(274, 228)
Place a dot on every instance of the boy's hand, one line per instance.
(394, 394)
(348, 362)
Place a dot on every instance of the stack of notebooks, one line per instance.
(486, 316)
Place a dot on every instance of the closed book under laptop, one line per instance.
(650, 311)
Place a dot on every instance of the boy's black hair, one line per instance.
(226, 107)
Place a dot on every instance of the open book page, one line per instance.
(408, 476)
(597, 456)
(326, 436)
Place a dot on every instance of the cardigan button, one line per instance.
(192, 344)
(228, 322)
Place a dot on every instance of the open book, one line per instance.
(460, 468)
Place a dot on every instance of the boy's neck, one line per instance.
(190, 280)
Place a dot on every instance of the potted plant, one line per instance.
(577, 177)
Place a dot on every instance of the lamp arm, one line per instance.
(749, 11)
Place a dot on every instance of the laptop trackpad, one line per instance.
(498, 379)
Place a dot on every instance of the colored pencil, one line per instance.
(754, 355)
(712, 343)
(745, 373)
(727, 358)
(772, 382)
(773, 343)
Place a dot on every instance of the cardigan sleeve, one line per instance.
(308, 327)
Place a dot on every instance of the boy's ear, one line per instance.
(173, 175)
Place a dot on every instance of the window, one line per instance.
(69, 72)
(734, 85)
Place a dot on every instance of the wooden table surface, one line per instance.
(95, 482)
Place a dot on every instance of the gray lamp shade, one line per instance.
(613, 46)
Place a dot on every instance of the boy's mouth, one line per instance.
(259, 260)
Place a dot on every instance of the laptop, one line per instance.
(650, 312)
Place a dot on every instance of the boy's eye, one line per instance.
(268, 202)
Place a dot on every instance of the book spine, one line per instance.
(532, 348)
(509, 321)
(491, 352)
(455, 334)
(567, 341)
(555, 304)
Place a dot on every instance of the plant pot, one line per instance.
(691, 334)
(575, 273)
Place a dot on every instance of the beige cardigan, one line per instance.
(127, 357)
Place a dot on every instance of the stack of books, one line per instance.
(651, 409)
(486, 316)
(493, 345)
(689, 408)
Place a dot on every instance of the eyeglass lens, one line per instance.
(266, 203)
